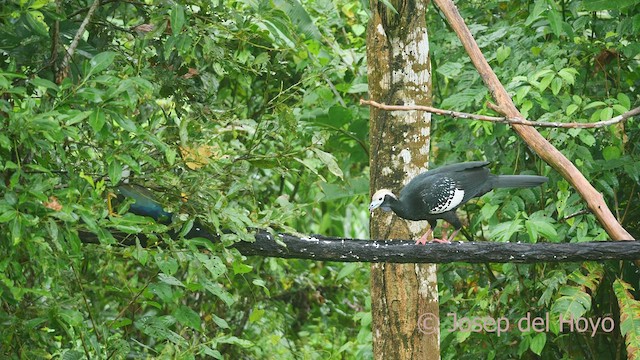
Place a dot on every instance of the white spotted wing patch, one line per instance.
(444, 195)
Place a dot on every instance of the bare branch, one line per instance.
(321, 248)
(405, 251)
(74, 44)
(502, 120)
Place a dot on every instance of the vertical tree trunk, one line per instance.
(400, 73)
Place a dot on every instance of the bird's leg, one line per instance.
(110, 196)
(423, 240)
(453, 235)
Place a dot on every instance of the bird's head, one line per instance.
(380, 200)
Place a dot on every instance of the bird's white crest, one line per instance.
(378, 198)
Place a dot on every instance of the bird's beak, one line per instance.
(372, 207)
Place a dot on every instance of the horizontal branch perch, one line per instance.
(405, 251)
(322, 248)
(503, 120)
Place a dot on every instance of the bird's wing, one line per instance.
(441, 194)
(470, 165)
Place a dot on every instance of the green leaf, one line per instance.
(624, 100)
(120, 323)
(606, 114)
(8, 216)
(330, 161)
(262, 284)
(598, 5)
(16, 230)
(568, 75)
(504, 231)
(611, 153)
(587, 138)
(347, 270)
(115, 171)
(450, 69)
(72, 355)
(556, 86)
(572, 108)
(222, 323)
(629, 317)
(167, 265)
(101, 62)
(158, 328)
(187, 317)
(539, 225)
(228, 339)
(574, 302)
(538, 342)
(240, 268)
(299, 17)
(538, 8)
(97, 119)
(212, 263)
(217, 290)
(45, 83)
(594, 104)
(170, 280)
(256, 315)
(545, 82)
(555, 21)
(503, 53)
(34, 20)
(177, 19)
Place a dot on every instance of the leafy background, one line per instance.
(244, 115)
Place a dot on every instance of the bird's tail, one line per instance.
(519, 181)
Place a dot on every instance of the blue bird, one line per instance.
(145, 204)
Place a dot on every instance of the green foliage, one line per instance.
(243, 115)
(237, 115)
(565, 61)
(629, 317)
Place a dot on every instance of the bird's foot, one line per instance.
(441, 241)
(424, 238)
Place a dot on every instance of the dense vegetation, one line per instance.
(245, 115)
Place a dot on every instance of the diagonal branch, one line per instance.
(62, 74)
(503, 120)
(544, 149)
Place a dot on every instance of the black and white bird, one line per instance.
(436, 194)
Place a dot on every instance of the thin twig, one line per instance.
(76, 41)
(502, 120)
(577, 213)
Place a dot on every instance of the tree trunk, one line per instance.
(400, 73)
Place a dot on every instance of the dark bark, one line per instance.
(404, 251)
